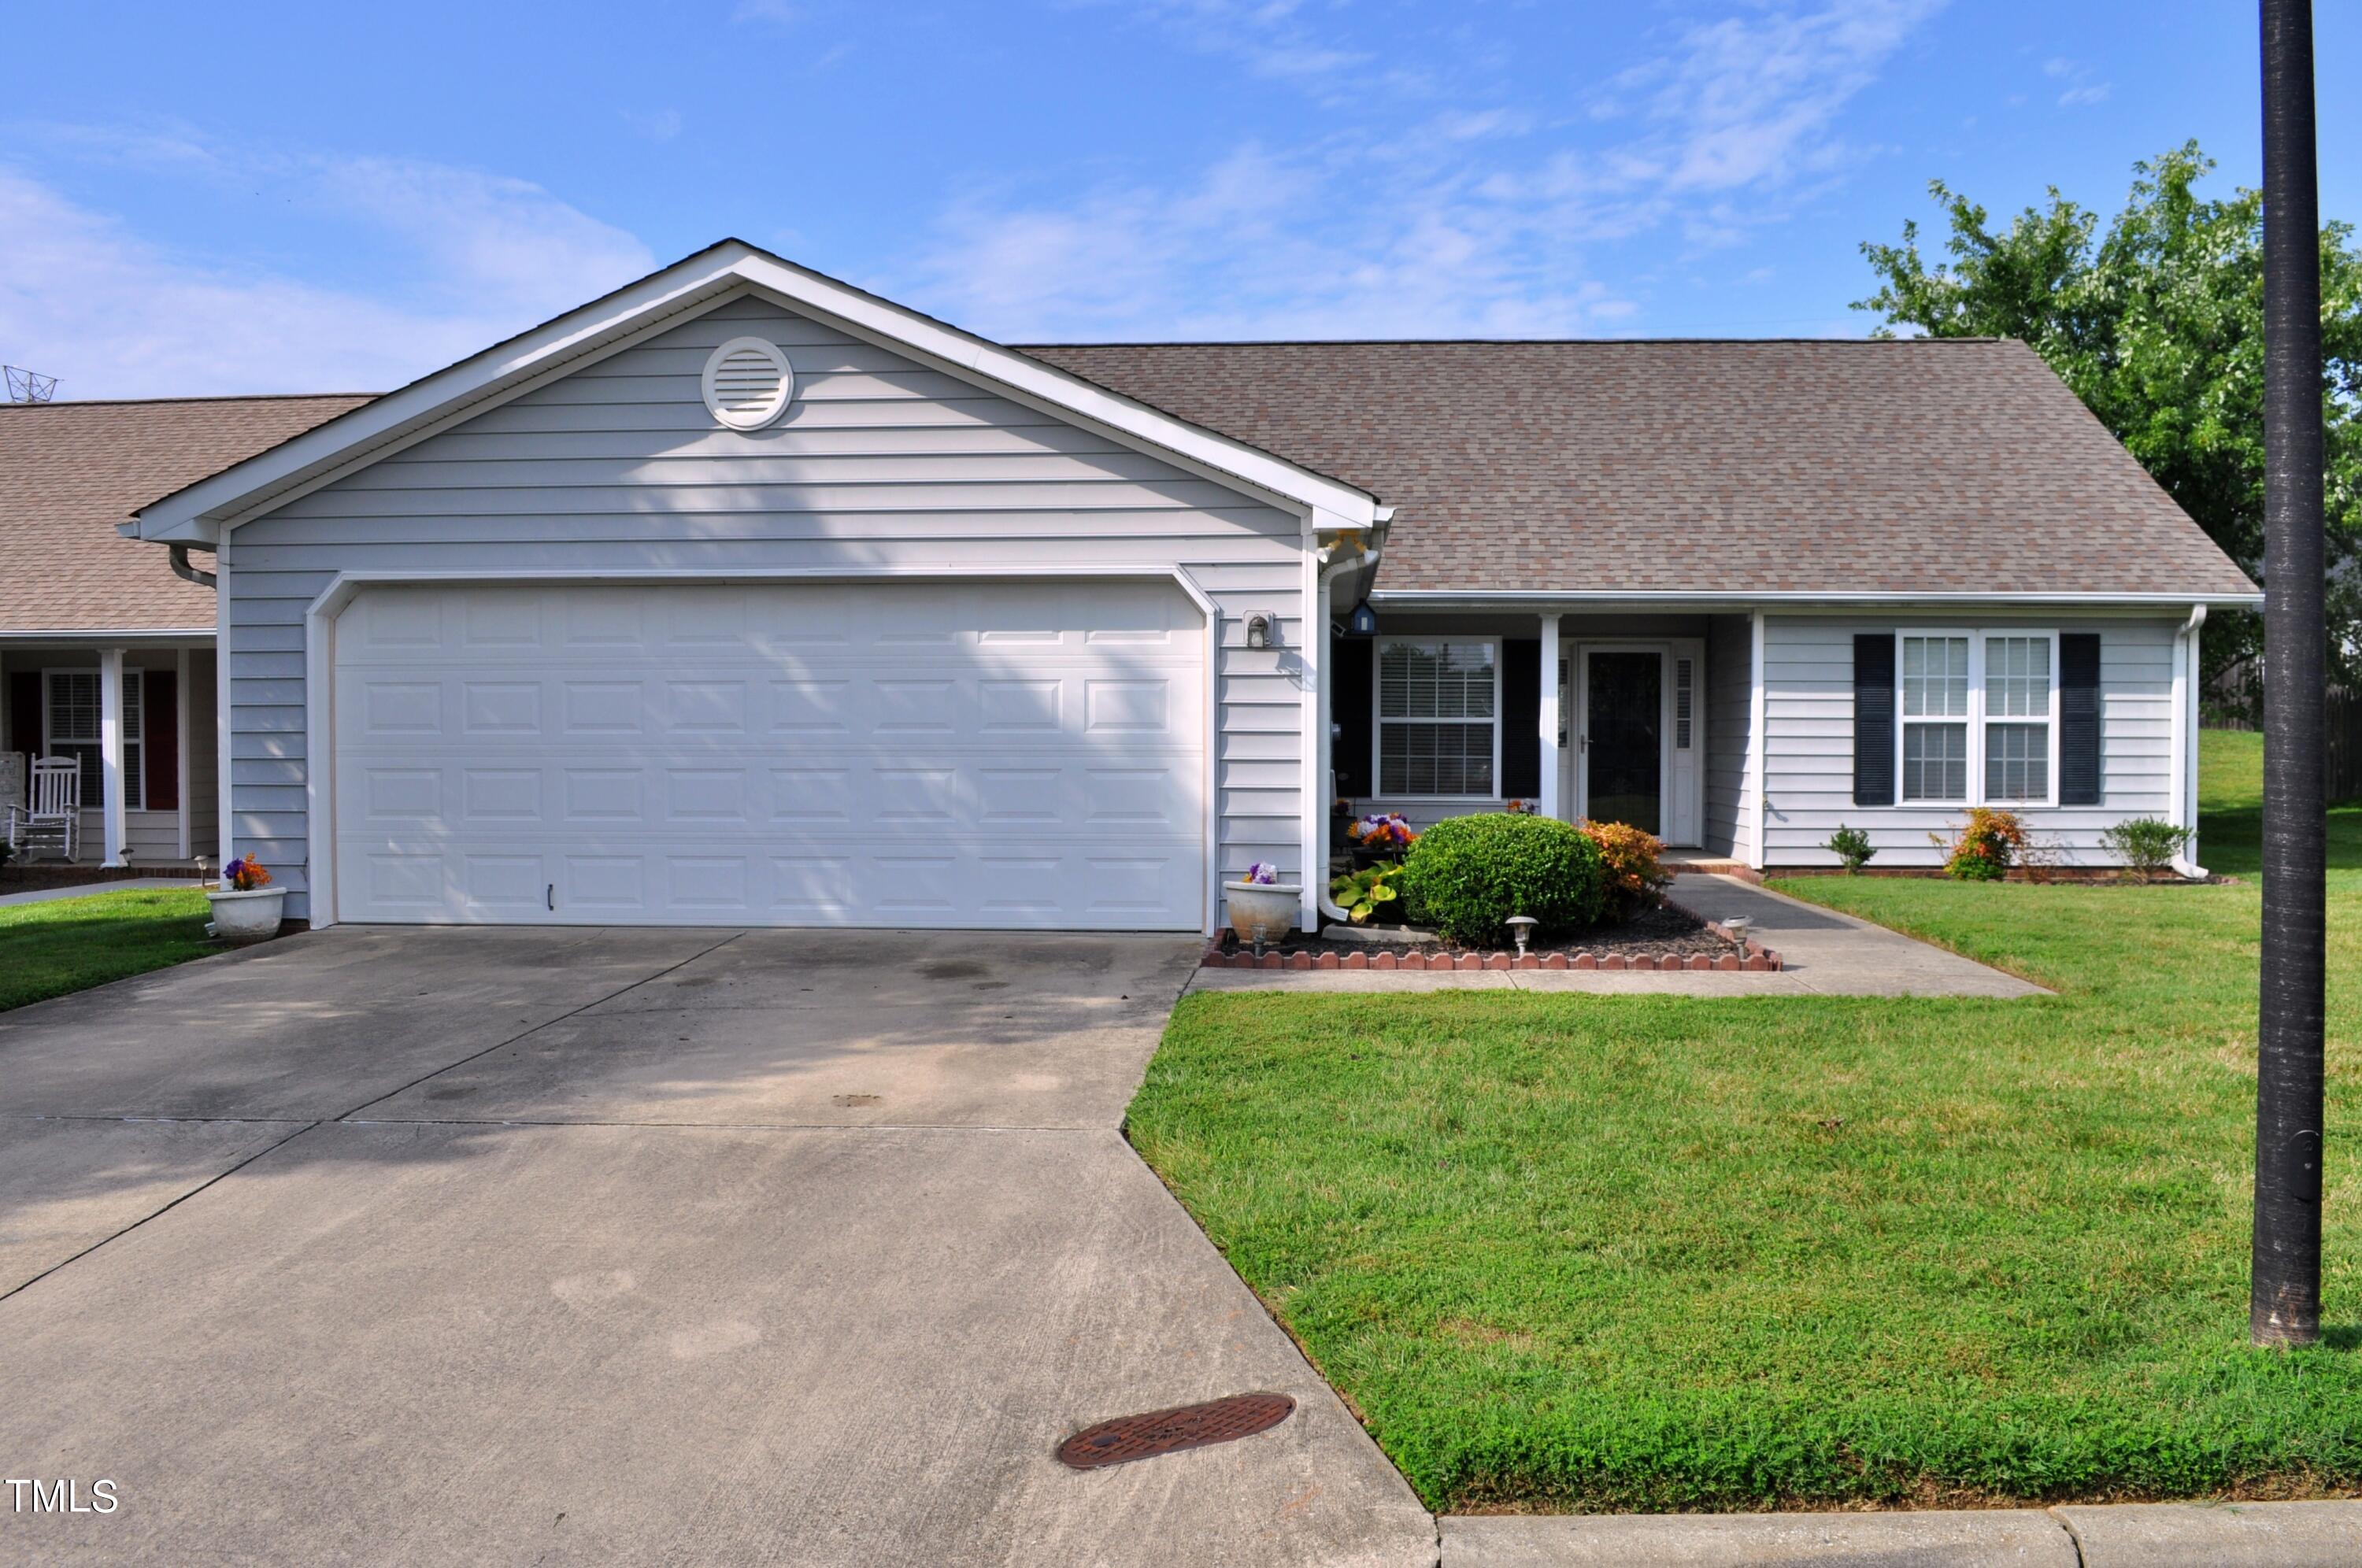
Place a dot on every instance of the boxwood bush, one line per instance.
(1468, 874)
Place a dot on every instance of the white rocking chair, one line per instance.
(54, 817)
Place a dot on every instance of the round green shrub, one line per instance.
(1468, 874)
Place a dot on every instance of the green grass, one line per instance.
(69, 944)
(1589, 1253)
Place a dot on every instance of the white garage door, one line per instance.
(926, 754)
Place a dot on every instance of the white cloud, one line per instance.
(463, 259)
(1270, 39)
(1243, 253)
(1441, 231)
(1753, 100)
(2083, 92)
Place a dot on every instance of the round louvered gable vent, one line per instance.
(748, 383)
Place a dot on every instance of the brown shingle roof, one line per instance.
(71, 472)
(1737, 468)
(1878, 467)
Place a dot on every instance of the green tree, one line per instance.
(2159, 327)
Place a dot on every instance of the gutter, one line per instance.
(1523, 599)
(187, 573)
(1333, 568)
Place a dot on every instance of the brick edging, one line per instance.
(1759, 959)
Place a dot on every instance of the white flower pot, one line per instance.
(251, 916)
(1262, 912)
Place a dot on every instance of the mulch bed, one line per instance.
(1667, 937)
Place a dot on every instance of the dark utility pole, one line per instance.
(2284, 1306)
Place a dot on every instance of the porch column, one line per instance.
(110, 751)
(1552, 762)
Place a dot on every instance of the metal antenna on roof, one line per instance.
(28, 386)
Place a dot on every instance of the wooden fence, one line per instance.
(2238, 690)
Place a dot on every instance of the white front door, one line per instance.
(940, 754)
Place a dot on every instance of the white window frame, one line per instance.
(1378, 721)
(134, 734)
(1976, 718)
(1903, 723)
(1985, 720)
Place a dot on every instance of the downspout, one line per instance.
(187, 573)
(2185, 735)
(1331, 569)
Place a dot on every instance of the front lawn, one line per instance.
(69, 944)
(1587, 1252)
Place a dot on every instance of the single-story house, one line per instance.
(742, 595)
(105, 655)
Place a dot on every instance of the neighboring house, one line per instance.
(741, 595)
(105, 655)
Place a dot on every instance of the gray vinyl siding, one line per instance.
(203, 804)
(1730, 688)
(1808, 703)
(879, 463)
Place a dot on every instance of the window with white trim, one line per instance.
(1438, 716)
(1935, 716)
(1978, 717)
(71, 728)
(2017, 718)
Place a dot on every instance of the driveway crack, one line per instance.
(545, 1023)
(219, 1175)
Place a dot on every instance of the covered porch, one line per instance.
(137, 714)
(1640, 717)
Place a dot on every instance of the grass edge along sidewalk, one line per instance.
(62, 946)
(1594, 1252)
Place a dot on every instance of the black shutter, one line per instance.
(159, 748)
(1521, 703)
(25, 713)
(2079, 719)
(1874, 719)
(1349, 710)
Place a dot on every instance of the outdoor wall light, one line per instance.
(1258, 631)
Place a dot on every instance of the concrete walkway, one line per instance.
(508, 1245)
(1826, 953)
(1838, 954)
(86, 890)
(2137, 1535)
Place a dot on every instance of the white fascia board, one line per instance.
(1527, 600)
(200, 513)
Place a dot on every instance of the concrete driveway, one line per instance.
(510, 1246)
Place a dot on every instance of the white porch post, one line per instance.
(110, 751)
(181, 728)
(1553, 760)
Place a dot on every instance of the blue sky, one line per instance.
(265, 198)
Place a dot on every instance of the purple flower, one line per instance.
(1262, 872)
(233, 868)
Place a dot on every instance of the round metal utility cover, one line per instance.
(1128, 1437)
